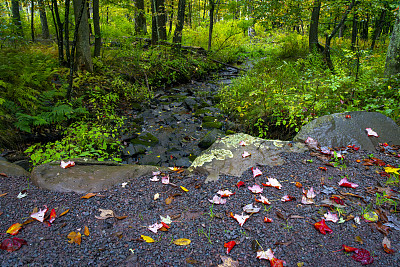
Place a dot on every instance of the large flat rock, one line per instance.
(84, 177)
(224, 157)
(336, 130)
(11, 169)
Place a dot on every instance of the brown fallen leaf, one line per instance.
(104, 214)
(27, 221)
(192, 261)
(387, 246)
(3, 174)
(119, 234)
(168, 200)
(349, 217)
(89, 195)
(283, 243)
(86, 231)
(228, 262)
(381, 228)
(121, 217)
(296, 217)
(359, 240)
(2, 195)
(280, 215)
(75, 238)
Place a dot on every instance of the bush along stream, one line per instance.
(177, 124)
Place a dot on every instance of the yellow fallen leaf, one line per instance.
(89, 195)
(14, 229)
(182, 242)
(86, 231)
(74, 238)
(184, 189)
(65, 212)
(148, 239)
(168, 200)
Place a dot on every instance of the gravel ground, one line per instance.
(291, 236)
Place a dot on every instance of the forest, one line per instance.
(69, 70)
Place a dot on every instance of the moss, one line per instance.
(228, 132)
(214, 124)
(201, 111)
(209, 119)
(146, 139)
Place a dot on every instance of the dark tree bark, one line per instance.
(43, 20)
(313, 43)
(378, 28)
(354, 32)
(16, 17)
(59, 32)
(189, 17)
(392, 66)
(159, 31)
(171, 17)
(32, 21)
(162, 20)
(180, 22)
(66, 31)
(96, 26)
(364, 31)
(210, 29)
(140, 19)
(83, 59)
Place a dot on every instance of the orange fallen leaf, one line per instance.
(168, 200)
(65, 212)
(2, 195)
(14, 229)
(3, 174)
(89, 195)
(86, 231)
(299, 185)
(121, 217)
(75, 238)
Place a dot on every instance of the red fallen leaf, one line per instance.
(388, 250)
(256, 172)
(14, 229)
(12, 244)
(346, 183)
(322, 168)
(267, 220)
(276, 262)
(287, 198)
(67, 164)
(239, 184)
(322, 227)
(229, 246)
(165, 225)
(348, 249)
(363, 256)
(52, 216)
(338, 200)
(348, 116)
(384, 174)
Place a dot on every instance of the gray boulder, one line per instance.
(336, 130)
(86, 176)
(210, 138)
(224, 157)
(11, 169)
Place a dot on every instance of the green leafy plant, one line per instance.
(338, 161)
(208, 236)
(384, 198)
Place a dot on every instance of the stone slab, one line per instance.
(11, 169)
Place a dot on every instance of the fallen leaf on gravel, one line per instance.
(65, 212)
(273, 183)
(255, 189)
(322, 227)
(239, 184)
(328, 190)
(359, 240)
(322, 168)
(86, 231)
(346, 183)
(181, 242)
(267, 220)
(370, 132)
(67, 164)
(298, 185)
(156, 196)
(242, 143)
(1, 212)
(331, 217)
(40, 214)
(184, 189)
(165, 179)
(3, 174)
(192, 261)
(147, 239)
(166, 220)
(104, 214)
(312, 143)
(263, 200)
(392, 170)
(269, 255)
(88, 195)
(241, 219)
(256, 172)
(296, 217)
(306, 201)
(124, 184)
(225, 193)
(154, 227)
(280, 215)
(250, 208)
(287, 198)
(154, 179)
(387, 246)
(246, 154)
(381, 228)
(12, 244)
(2, 195)
(371, 216)
(217, 200)
(168, 200)
(14, 229)
(53, 216)
(229, 246)
(121, 217)
(74, 238)
(309, 193)
(22, 194)
(360, 254)
(228, 262)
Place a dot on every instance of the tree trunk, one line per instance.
(210, 30)
(189, 18)
(66, 31)
(364, 31)
(378, 28)
(43, 20)
(354, 31)
(180, 21)
(59, 31)
(313, 43)
(16, 17)
(96, 26)
(83, 59)
(159, 31)
(171, 17)
(162, 20)
(392, 66)
(154, 18)
(32, 21)
(140, 19)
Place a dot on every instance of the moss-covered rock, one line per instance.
(146, 139)
(212, 124)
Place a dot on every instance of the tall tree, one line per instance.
(32, 21)
(313, 42)
(43, 20)
(96, 26)
(180, 22)
(378, 28)
(140, 19)
(83, 59)
(392, 66)
(16, 17)
(158, 29)
(354, 31)
(211, 26)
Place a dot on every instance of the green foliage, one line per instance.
(90, 140)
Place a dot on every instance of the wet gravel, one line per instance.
(117, 241)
